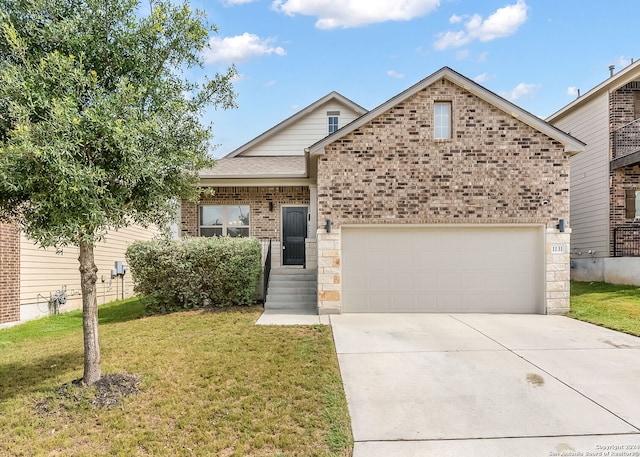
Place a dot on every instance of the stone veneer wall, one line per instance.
(9, 274)
(495, 170)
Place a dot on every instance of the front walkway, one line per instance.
(292, 317)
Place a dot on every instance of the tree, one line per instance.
(99, 126)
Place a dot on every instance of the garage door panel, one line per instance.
(427, 269)
(449, 303)
(473, 302)
(400, 281)
(443, 260)
(475, 282)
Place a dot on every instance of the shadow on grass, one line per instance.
(32, 375)
(123, 311)
(579, 288)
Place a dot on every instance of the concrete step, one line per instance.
(297, 306)
(294, 289)
(293, 271)
(292, 285)
(292, 278)
(291, 298)
(276, 289)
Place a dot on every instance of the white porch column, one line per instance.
(313, 211)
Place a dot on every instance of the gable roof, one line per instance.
(623, 77)
(571, 144)
(257, 167)
(333, 96)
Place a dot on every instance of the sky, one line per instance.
(289, 53)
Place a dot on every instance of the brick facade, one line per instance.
(9, 274)
(495, 170)
(263, 222)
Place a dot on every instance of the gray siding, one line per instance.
(589, 174)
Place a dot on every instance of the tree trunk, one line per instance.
(88, 278)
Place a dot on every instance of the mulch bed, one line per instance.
(107, 392)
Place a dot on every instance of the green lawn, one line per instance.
(212, 384)
(615, 307)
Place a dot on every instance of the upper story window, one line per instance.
(224, 220)
(333, 119)
(632, 204)
(442, 120)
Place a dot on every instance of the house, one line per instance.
(605, 179)
(30, 277)
(445, 198)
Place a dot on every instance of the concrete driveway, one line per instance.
(488, 385)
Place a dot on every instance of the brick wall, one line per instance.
(9, 273)
(494, 170)
(263, 223)
(622, 179)
(621, 112)
(621, 104)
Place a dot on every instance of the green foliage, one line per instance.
(194, 272)
(613, 306)
(99, 128)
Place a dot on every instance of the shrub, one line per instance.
(195, 272)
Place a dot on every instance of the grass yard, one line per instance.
(211, 384)
(611, 306)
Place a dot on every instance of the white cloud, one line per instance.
(355, 13)
(522, 90)
(483, 57)
(573, 91)
(240, 48)
(621, 62)
(483, 78)
(503, 22)
(462, 54)
(237, 2)
(270, 83)
(395, 74)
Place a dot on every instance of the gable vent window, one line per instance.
(333, 118)
(442, 120)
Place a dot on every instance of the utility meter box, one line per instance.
(120, 268)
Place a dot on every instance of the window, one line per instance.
(632, 204)
(333, 117)
(442, 120)
(224, 220)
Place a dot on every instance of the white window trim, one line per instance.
(332, 115)
(437, 126)
(225, 224)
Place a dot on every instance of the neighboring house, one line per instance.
(446, 198)
(605, 179)
(31, 276)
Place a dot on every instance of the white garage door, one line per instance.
(480, 269)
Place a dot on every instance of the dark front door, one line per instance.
(294, 231)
